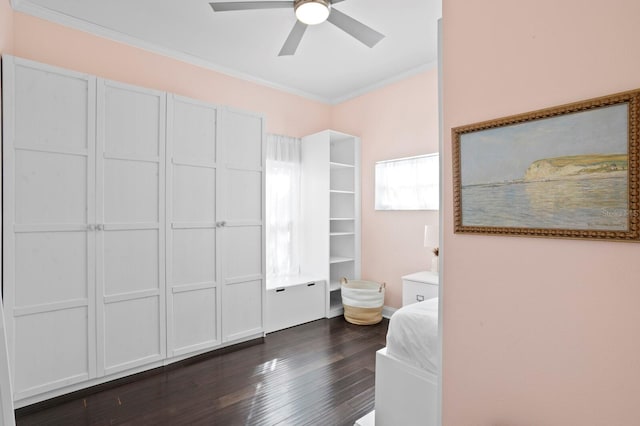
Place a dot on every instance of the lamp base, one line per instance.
(434, 263)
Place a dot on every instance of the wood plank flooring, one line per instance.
(320, 373)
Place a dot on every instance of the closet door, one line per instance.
(48, 147)
(193, 293)
(242, 220)
(130, 237)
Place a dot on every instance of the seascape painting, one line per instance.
(559, 173)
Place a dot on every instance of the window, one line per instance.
(283, 165)
(408, 183)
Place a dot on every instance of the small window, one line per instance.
(408, 183)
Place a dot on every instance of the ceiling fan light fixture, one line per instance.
(312, 12)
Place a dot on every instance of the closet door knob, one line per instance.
(91, 227)
(100, 227)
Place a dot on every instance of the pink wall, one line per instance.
(6, 27)
(54, 44)
(537, 331)
(6, 31)
(399, 120)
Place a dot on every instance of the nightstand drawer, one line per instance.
(418, 287)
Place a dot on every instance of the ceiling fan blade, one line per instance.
(249, 5)
(293, 40)
(356, 29)
(336, 1)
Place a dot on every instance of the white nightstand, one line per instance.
(419, 286)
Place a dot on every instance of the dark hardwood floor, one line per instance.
(320, 373)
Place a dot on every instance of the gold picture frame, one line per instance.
(570, 171)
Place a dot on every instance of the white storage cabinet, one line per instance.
(83, 241)
(87, 209)
(292, 302)
(215, 232)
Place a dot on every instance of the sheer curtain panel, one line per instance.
(283, 205)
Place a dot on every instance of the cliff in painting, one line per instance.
(577, 167)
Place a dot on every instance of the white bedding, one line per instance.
(413, 335)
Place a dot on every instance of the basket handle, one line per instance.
(343, 280)
(383, 285)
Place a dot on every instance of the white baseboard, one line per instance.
(387, 311)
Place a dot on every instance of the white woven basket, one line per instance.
(362, 301)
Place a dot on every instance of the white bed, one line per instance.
(407, 369)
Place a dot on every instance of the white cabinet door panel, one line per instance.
(242, 252)
(244, 195)
(51, 350)
(50, 187)
(242, 309)
(132, 333)
(58, 102)
(194, 190)
(131, 261)
(48, 250)
(133, 128)
(193, 294)
(193, 256)
(194, 130)
(242, 134)
(130, 208)
(131, 191)
(195, 322)
(51, 267)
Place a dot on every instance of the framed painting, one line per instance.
(566, 172)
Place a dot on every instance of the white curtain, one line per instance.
(408, 183)
(283, 205)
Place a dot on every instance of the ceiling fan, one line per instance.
(308, 12)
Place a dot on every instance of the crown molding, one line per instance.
(29, 8)
(38, 11)
(386, 82)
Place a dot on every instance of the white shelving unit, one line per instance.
(331, 211)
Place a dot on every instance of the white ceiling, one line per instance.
(329, 64)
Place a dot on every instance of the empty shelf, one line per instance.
(337, 259)
(335, 165)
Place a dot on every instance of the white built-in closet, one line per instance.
(133, 228)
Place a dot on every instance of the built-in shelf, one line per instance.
(334, 165)
(337, 259)
(331, 200)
